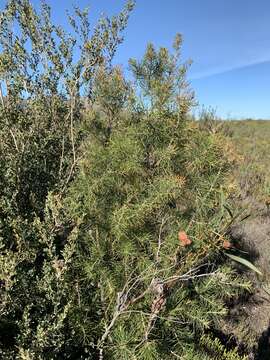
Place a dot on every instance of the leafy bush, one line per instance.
(44, 90)
(112, 199)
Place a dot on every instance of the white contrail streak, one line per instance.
(222, 70)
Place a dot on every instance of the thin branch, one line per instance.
(2, 96)
(186, 277)
(70, 173)
(72, 129)
(177, 356)
(139, 297)
(78, 292)
(159, 240)
(106, 334)
(62, 157)
(14, 139)
(174, 320)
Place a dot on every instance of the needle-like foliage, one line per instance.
(149, 197)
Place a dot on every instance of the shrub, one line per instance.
(43, 92)
(111, 205)
(149, 197)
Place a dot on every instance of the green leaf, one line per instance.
(245, 262)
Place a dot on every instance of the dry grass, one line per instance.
(248, 321)
(252, 140)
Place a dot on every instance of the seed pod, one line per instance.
(227, 244)
(184, 239)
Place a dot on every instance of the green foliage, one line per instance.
(219, 351)
(162, 80)
(155, 175)
(112, 200)
(245, 262)
(43, 92)
(41, 112)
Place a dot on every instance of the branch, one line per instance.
(159, 288)
(191, 274)
(1, 96)
(106, 333)
(62, 158)
(159, 240)
(122, 304)
(14, 139)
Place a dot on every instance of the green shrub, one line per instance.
(43, 94)
(149, 197)
(112, 218)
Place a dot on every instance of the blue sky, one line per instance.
(228, 41)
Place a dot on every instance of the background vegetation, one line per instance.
(251, 181)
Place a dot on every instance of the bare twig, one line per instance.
(62, 157)
(139, 297)
(1, 96)
(106, 333)
(72, 128)
(70, 173)
(174, 320)
(14, 139)
(174, 279)
(78, 292)
(177, 356)
(159, 239)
